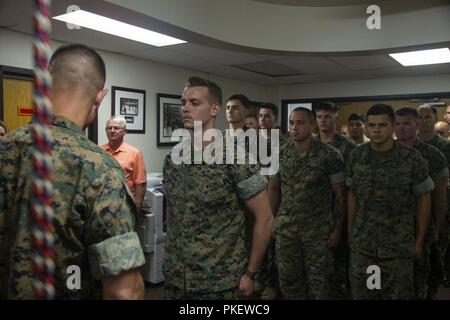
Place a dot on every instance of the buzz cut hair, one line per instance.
(428, 106)
(214, 91)
(324, 106)
(380, 109)
(308, 112)
(407, 111)
(241, 98)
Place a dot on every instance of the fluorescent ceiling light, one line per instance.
(417, 58)
(120, 29)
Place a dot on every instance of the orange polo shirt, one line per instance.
(132, 163)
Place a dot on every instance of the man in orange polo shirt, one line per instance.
(129, 158)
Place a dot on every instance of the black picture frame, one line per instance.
(129, 103)
(169, 118)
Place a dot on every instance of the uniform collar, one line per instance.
(60, 121)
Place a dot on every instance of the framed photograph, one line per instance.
(169, 117)
(130, 104)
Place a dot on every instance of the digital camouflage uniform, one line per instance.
(438, 169)
(305, 219)
(339, 283)
(383, 231)
(205, 253)
(267, 281)
(439, 248)
(94, 214)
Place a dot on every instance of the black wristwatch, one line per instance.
(250, 274)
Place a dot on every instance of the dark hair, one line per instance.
(2, 124)
(270, 106)
(243, 99)
(308, 112)
(428, 106)
(379, 109)
(213, 89)
(405, 111)
(82, 50)
(324, 106)
(356, 117)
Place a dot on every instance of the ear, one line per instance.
(215, 109)
(99, 97)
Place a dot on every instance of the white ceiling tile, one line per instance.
(313, 65)
(231, 72)
(366, 62)
(225, 57)
(173, 58)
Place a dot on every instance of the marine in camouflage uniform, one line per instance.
(383, 231)
(438, 169)
(439, 248)
(267, 285)
(305, 218)
(93, 221)
(340, 282)
(205, 253)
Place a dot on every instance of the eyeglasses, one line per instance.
(114, 128)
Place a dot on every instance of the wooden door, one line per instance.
(17, 102)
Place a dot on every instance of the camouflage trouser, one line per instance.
(174, 293)
(437, 259)
(304, 267)
(396, 278)
(446, 253)
(339, 282)
(422, 269)
(266, 282)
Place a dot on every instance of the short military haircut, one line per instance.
(324, 106)
(428, 106)
(77, 66)
(380, 109)
(241, 98)
(214, 91)
(407, 111)
(118, 119)
(270, 106)
(308, 112)
(356, 117)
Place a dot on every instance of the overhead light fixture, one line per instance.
(117, 28)
(422, 57)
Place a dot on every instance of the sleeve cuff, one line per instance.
(115, 255)
(425, 186)
(443, 174)
(251, 186)
(338, 177)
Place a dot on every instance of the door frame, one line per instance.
(27, 74)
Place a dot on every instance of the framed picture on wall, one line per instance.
(169, 117)
(130, 104)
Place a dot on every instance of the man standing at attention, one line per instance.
(427, 134)
(93, 210)
(325, 114)
(205, 254)
(388, 209)
(129, 158)
(406, 126)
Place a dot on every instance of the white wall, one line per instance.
(135, 73)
